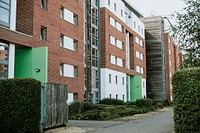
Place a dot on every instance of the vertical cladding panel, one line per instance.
(24, 16)
(155, 52)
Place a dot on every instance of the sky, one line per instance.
(158, 7)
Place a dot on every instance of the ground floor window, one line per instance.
(3, 60)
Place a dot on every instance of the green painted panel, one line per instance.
(135, 88)
(28, 60)
(39, 60)
(23, 63)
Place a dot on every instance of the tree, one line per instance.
(187, 31)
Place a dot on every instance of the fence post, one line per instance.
(42, 109)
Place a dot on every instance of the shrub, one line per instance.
(20, 105)
(75, 108)
(186, 100)
(130, 103)
(109, 101)
(145, 103)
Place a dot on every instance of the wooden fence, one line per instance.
(55, 105)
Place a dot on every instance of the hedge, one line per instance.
(20, 106)
(186, 100)
(111, 101)
(112, 108)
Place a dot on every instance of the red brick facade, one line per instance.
(173, 61)
(107, 48)
(30, 18)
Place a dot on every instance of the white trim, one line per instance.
(11, 60)
(13, 12)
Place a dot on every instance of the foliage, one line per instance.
(75, 108)
(20, 105)
(145, 103)
(130, 103)
(186, 92)
(112, 108)
(110, 101)
(187, 30)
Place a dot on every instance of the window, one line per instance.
(137, 40)
(4, 49)
(112, 59)
(62, 12)
(5, 12)
(141, 56)
(142, 31)
(122, 12)
(44, 4)
(68, 70)
(109, 78)
(115, 41)
(138, 69)
(123, 80)
(61, 69)
(170, 63)
(170, 51)
(137, 54)
(112, 22)
(116, 79)
(170, 74)
(75, 96)
(62, 40)
(142, 70)
(75, 19)
(43, 33)
(138, 28)
(141, 43)
(134, 25)
(69, 43)
(109, 2)
(115, 6)
(69, 16)
(115, 60)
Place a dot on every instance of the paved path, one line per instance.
(158, 123)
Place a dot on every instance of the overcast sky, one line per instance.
(158, 7)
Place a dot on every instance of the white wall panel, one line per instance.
(11, 60)
(112, 88)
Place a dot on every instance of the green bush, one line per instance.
(110, 101)
(130, 103)
(145, 103)
(20, 105)
(186, 100)
(75, 108)
(111, 108)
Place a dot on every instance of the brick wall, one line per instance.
(25, 16)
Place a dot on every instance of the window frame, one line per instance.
(43, 33)
(44, 4)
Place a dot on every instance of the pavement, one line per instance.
(153, 122)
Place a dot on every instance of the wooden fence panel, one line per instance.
(56, 105)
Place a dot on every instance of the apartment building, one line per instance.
(123, 51)
(43, 40)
